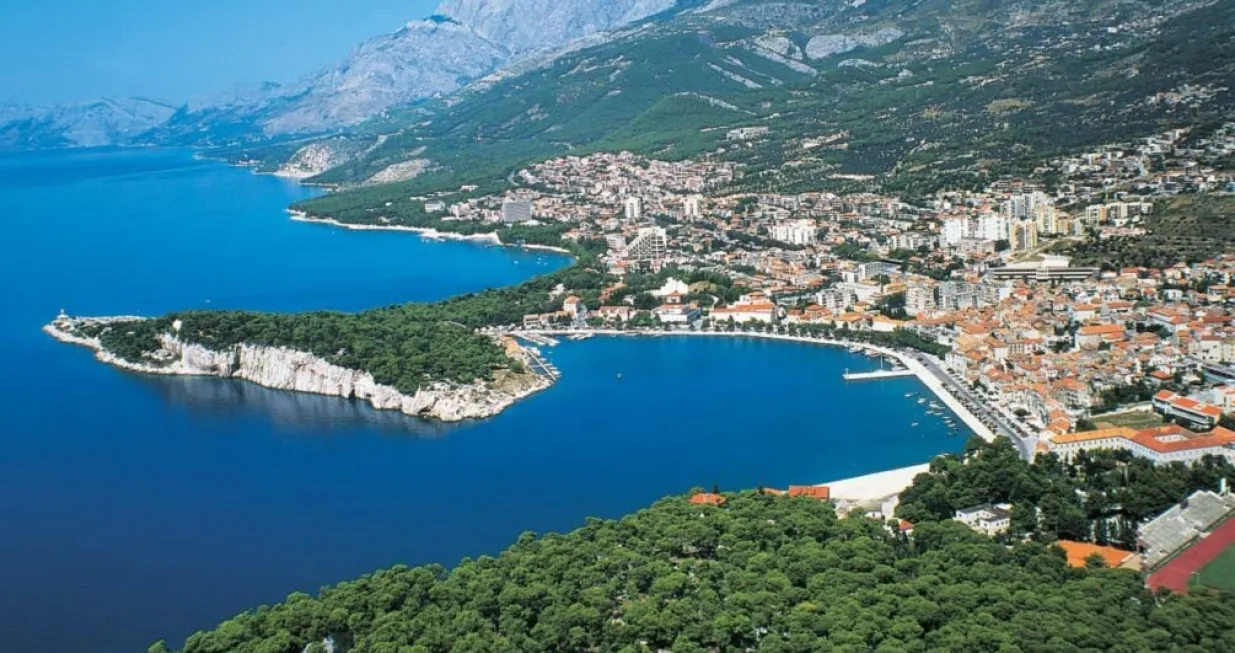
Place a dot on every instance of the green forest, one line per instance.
(1099, 496)
(402, 346)
(761, 573)
(1188, 228)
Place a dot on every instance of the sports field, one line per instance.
(1133, 419)
(1182, 571)
(1218, 574)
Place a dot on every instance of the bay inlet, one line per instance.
(139, 507)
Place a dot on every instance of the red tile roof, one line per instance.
(820, 492)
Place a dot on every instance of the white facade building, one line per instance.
(649, 245)
(796, 232)
(633, 207)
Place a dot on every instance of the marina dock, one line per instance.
(878, 374)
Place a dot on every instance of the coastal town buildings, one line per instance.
(988, 519)
(1161, 445)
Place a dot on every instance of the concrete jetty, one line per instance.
(878, 374)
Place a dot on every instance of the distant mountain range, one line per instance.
(108, 121)
(465, 40)
(910, 94)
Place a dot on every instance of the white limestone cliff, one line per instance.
(288, 369)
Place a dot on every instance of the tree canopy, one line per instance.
(760, 573)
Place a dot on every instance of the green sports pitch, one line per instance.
(1219, 574)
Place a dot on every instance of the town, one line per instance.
(1049, 346)
(1001, 299)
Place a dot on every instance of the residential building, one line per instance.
(633, 208)
(990, 519)
(1024, 235)
(692, 206)
(649, 245)
(919, 299)
(796, 232)
(1198, 413)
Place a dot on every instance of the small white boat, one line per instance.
(922, 401)
(914, 425)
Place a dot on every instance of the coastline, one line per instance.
(871, 487)
(280, 368)
(489, 238)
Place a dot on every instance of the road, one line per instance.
(1024, 441)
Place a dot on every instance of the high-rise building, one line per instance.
(955, 230)
(1047, 218)
(692, 207)
(836, 300)
(919, 298)
(633, 207)
(957, 295)
(1024, 235)
(1020, 207)
(516, 211)
(649, 245)
(796, 232)
(992, 227)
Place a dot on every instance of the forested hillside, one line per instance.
(919, 94)
(761, 573)
(402, 346)
(1100, 496)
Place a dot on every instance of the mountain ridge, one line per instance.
(464, 40)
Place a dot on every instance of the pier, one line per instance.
(540, 365)
(878, 374)
(538, 339)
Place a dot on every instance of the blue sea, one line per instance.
(135, 508)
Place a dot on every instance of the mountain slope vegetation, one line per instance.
(919, 94)
(761, 573)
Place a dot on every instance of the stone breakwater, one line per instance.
(289, 369)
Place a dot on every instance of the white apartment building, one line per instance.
(633, 207)
(692, 206)
(648, 245)
(796, 232)
(993, 226)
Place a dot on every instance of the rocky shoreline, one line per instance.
(490, 238)
(288, 369)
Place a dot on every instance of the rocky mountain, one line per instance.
(911, 93)
(109, 121)
(465, 40)
(523, 26)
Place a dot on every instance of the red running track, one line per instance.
(1176, 574)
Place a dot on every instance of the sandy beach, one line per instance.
(877, 486)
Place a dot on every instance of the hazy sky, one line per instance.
(70, 50)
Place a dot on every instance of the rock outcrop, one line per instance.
(288, 369)
(826, 45)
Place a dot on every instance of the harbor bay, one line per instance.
(126, 489)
